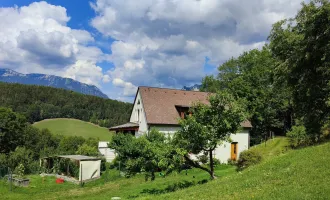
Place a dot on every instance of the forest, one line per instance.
(38, 102)
(286, 84)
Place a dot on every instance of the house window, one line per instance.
(183, 111)
(138, 114)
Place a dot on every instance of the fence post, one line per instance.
(10, 175)
(119, 168)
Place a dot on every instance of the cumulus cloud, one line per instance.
(129, 88)
(165, 43)
(86, 72)
(36, 38)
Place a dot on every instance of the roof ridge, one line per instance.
(171, 89)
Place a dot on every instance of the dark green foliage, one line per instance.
(70, 145)
(68, 167)
(248, 158)
(302, 44)
(31, 144)
(298, 137)
(148, 153)
(39, 102)
(12, 127)
(251, 77)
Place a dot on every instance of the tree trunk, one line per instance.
(211, 165)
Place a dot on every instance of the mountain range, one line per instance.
(11, 76)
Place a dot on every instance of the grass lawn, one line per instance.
(126, 188)
(298, 174)
(272, 147)
(74, 127)
(294, 174)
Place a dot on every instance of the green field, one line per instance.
(74, 127)
(294, 174)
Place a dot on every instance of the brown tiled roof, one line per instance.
(160, 104)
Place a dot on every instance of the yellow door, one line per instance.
(234, 151)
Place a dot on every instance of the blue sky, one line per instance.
(119, 45)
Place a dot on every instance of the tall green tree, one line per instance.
(302, 44)
(251, 77)
(209, 126)
(12, 128)
(148, 153)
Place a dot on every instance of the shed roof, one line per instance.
(78, 157)
(124, 126)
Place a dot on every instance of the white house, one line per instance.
(161, 108)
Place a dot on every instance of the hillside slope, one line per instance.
(10, 76)
(40, 102)
(298, 174)
(74, 127)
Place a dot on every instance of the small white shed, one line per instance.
(89, 167)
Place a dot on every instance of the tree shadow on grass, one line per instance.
(173, 187)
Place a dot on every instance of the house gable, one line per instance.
(138, 114)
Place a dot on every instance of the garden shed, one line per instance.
(82, 168)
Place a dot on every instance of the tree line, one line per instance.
(39, 102)
(287, 82)
(23, 144)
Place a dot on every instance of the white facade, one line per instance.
(138, 116)
(223, 151)
(109, 154)
(167, 130)
(89, 169)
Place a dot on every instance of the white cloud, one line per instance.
(129, 88)
(86, 72)
(36, 38)
(165, 43)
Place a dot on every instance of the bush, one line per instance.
(298, 137)
(231, 162)
(216, 162)
(248, 158)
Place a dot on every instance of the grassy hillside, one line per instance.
(272, 147)
(71, 127)
(297, 174)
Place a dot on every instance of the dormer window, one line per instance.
(183, 111)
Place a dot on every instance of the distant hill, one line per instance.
(195, 87)
(40, 102)
(10, 76)
(74, 127)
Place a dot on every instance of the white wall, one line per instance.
(88, 168)
(167, 130)
(223, 151)
(142, 121)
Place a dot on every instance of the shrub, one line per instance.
(248, 158)
(231, 162)
(298, 137)
(216, 162)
